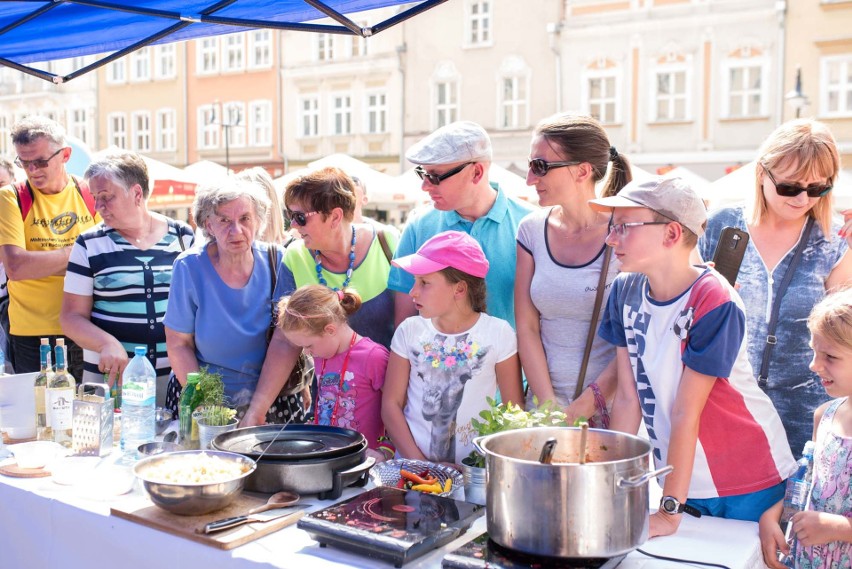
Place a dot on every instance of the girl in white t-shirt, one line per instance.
(445, 362)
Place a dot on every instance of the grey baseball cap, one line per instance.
(670, 197)
(462, 141)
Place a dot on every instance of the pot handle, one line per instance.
(477, 444)
(638, 481)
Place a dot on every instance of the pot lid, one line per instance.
(296, 442)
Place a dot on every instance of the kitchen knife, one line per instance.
(228, 523)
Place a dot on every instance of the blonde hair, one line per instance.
(313, 307)
(809, 146)
(832, 318)
(275, 231)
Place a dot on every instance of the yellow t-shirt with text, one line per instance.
(54, 222)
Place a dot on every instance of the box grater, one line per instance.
(92, 418)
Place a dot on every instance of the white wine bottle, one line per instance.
(43, 432)
(60, 394)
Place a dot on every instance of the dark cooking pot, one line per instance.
(306, 459)
(567, 509)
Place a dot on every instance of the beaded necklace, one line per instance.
(348, 278)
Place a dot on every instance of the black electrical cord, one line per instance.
(675, 559)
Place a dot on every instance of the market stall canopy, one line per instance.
(206, 172)
(44, 30)
(170, 186)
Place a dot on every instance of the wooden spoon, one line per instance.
(584, 434)
(279, 500)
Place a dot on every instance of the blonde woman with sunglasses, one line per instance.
(791, 208)
(561, 254)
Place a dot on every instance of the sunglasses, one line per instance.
(40, 163)
(436, 179)
(300, 218)
(540, 167)
(792, 190)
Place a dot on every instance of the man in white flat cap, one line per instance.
(453, 163)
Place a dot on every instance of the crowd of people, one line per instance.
(600, 300)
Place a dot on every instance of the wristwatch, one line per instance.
(671, 506)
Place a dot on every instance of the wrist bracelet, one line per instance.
(600, 405)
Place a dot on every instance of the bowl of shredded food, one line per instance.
(193, 482)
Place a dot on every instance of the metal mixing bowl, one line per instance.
(192, 499)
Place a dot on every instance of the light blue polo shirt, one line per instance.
(495, 231)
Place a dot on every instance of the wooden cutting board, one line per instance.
(142, 511)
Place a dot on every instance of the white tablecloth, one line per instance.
(45, 525)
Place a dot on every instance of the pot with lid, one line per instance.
(306, 459)
(567, 509)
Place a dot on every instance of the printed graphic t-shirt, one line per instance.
(54, 221)
(741, 445)
(451, 376)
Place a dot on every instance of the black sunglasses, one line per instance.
(436, 179)
(40, 163)
(793, 190)
(540, 167)
(300, 218)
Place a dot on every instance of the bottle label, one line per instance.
(58, 402)
(138, 393)
(40, 393)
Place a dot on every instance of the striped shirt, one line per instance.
(129, 289)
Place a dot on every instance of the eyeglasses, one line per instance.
(540, 167)
(793, 190)
(436, 179)
(620, 229)
(40, 163)
(300, 218)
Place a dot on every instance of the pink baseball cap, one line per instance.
(448, 249)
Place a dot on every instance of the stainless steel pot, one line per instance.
(567, 509)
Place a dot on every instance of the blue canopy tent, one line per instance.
(44, 30)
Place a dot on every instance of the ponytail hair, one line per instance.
(313, 307)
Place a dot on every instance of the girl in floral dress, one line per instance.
(448, 360)
(822, 534)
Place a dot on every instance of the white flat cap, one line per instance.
(462, 141)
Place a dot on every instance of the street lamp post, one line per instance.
(233, 119)
(797, 99)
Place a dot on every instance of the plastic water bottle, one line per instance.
(796, 496)
(138, 392)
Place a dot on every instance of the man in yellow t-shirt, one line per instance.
(35, 249)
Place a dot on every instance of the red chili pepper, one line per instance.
(401, 483)
(417, 479)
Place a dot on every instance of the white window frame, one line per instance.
(359, 46)
(141, 130)
(518, 106)
(260, 49)
(234, 53)
(376, 112)
(5, 135)
(117, 136)
(478, 23)
(166, 130)
(234, 119)
(208, 128)
(165, 61)
(344, 112)
(843, 88)
(746, 64)
(207, 56)
(673, 68)
(116, 71)
(586, 94)
(260, 122)
(140, 65)
(311, 114)
(324, 47)
(79, 126)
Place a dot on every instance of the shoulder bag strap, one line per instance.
(771, 340)
(594, 323)
(86, 194)
(25, 198)
(383, 241)
(273, 257)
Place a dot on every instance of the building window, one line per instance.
(600, 95)
(78, 124)
(164, 61)
(117, 71)
(260, 123)
(670, 97)
(745, 90)
(260, 49)
(513, 102)
(359, 44)
(5, 134)
(234, 120)
(208, 55)
(836, 86)
(309, 116)
(234, 52)
(478, 23)
(341, 114)
(117, 127)
(166, 130)
(140, 65)
(208, 127)
(377, 113)
(141, 131)
(446, 103)
(323, 47)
